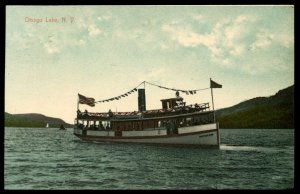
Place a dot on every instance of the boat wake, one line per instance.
(246, 148)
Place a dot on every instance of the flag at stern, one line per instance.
(214, 84)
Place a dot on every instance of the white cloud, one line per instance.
(186, 37)
(263, 39)
(236, 32)
(229, 40)
(225, 41)
(233, 32)
(93, 30)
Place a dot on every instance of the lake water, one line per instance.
(56, 159)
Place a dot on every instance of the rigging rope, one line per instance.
(174, 88)
(135, 89)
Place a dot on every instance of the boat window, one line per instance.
(168, 104)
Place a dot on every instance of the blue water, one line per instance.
(56, 159)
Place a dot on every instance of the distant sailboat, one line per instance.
(47, 126)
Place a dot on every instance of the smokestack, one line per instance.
(141, 100)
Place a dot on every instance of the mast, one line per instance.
(77, 110)
(212, 100)
(77, 102)
(145, 93)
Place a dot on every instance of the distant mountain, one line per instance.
(32, 120)
(276, 111)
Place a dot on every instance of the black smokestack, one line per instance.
(141, 100)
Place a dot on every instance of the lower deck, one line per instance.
(207, 134)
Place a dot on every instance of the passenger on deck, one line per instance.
(101, 126)
(81, 126)
(110, 113)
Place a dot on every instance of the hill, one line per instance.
(32, 120)
(272, 112)
(276, 111)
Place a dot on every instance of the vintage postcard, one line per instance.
(149, 97)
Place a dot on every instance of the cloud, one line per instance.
(263, 39)
(93, 30)
(186, 37)
(232, 43)
(224, 41)
(237, 31)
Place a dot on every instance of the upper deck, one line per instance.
(174, 112)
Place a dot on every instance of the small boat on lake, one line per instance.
(62, 127)
(175, 123)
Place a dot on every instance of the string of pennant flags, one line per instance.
(91, 101)
(135, 89)
(187, 92)
(118, 97)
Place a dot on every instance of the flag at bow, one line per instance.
(214, 84)
(86, 100)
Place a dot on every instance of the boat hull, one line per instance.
(200, 135)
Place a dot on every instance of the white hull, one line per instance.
(201, 135)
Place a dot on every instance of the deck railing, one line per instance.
(148, 113)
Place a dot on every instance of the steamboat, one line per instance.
(175, 123)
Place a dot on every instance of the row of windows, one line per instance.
(140, 125)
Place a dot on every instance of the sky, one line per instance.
(106, 51)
